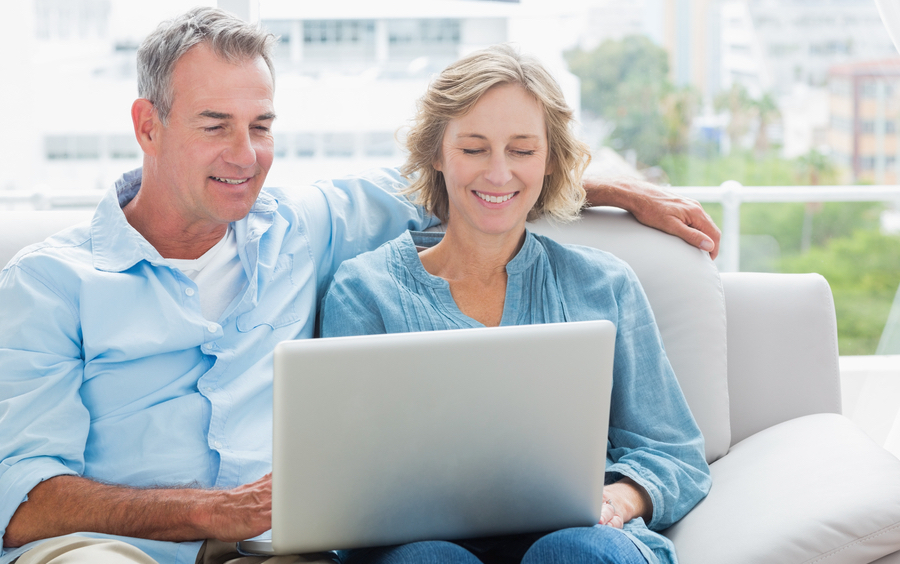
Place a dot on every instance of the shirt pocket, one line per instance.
(286, 296)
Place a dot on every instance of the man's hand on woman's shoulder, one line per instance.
(657, 208)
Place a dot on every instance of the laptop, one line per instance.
(388, 439)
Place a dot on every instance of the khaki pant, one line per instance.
(79, 550)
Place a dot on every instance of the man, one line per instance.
(135, 352)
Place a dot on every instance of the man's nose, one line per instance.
(498, 172)
(240, 151)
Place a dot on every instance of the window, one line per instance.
(305, 145)
(123, 147)
(338, 144)
(379, 144)
(79, 147)
(71, 19)
(339, 39)
(416, 38)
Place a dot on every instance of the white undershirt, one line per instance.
(218, 275)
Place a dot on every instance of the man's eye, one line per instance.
(212, 128)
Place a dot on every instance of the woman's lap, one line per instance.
(596, 545)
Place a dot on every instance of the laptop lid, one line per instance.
(387, 439)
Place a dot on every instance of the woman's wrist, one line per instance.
(629, 500)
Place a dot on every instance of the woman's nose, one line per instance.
(498, 173)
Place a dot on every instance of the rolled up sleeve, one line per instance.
(43, 422)
(653, 437)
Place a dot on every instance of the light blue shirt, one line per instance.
(110, 371)
(653, 438)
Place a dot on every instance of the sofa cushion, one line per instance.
(688, 303)
(812, 489)
(21, 228)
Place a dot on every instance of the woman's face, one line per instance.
(494, 159)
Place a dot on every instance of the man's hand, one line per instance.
(657, 208)
(70, 504)
(238, 514)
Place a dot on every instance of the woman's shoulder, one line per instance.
(580, 257)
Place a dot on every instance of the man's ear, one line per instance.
(146, 124)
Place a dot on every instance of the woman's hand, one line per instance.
(623, 501)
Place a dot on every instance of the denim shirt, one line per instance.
(653, 438)
(110, 371)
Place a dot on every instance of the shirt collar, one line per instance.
(117, 246)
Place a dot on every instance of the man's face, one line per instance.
(213, 156)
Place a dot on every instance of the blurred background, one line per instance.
(793, 104)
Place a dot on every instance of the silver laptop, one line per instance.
(388, 439)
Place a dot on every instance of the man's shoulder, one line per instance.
(375, 265)
(340, 187)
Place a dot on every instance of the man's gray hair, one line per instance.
(229, 37)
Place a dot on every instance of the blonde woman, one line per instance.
(491, 147)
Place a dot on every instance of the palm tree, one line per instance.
(766, 113)
(740, 109)
(813, 168)
(679, 107)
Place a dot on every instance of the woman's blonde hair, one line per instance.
(455, 91)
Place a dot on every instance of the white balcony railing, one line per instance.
(732, 194)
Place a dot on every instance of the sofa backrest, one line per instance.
(685, 292)
(20, 228)
(682, 284)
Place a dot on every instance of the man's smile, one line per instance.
(232, 181)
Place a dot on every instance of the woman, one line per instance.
(490, 148)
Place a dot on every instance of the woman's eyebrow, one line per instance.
(480, 136)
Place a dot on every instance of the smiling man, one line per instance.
(136, 350)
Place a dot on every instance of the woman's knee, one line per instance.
(426, 552)
(587, 545)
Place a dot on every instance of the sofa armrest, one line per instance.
(813, 489)
(782, 349)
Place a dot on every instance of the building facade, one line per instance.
(864, 132)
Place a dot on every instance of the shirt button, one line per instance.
(189, 291)
(212, 327)
(217, 444)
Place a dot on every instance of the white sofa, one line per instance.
(793, 480)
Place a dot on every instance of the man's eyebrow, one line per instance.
(215, 115)
(221, 115)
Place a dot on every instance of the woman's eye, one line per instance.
(523, 153)
(471, 151)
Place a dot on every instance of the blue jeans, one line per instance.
(582, 545)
